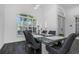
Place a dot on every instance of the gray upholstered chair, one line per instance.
(44, 31)
(32, 45)
(64, 48)
(52, 32)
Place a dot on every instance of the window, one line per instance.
(25, 22)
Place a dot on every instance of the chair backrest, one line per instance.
(34, 29)
(68, 43)
(30, 39)
(30, 31)
(44, 31)
(52, 32)
(26, 36)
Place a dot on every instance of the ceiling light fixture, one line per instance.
(36, 7)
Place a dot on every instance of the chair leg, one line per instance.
(59, 44)
(38, 51)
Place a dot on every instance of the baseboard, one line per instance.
(14, 41)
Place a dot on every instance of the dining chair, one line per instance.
(44, 31)
(64, 48)
(52, 32)
(32, 46)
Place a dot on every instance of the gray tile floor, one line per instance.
(14, 48)
(19, 48)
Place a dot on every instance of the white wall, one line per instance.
(70, 19)
(11, 11)
(1, 25)
(50, 16)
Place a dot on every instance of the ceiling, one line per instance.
(68, 6)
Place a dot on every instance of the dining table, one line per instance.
(48, 40)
